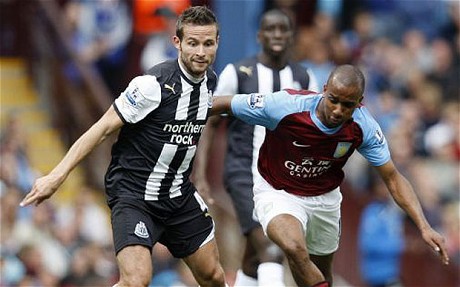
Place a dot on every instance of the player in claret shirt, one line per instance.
(309, 139)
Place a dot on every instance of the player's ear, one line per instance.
(258, 37)
(176, 42)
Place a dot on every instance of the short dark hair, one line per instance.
(196, 15)
(348, 75)
(276, 12)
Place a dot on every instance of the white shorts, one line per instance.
(319, 215)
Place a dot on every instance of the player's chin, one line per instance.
(277, 50)
(200, 67)
(333, 123)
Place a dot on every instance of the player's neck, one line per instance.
(191, 77)
(319, 111)
(273, 62)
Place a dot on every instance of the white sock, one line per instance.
(270, 274)
(244, 280)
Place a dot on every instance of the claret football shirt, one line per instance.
(301, 155)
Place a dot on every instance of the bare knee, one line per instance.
(295, 251)
(135, 266)
(134, 280)
(212, 276)
(205, 265)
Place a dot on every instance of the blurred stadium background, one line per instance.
(62, 62)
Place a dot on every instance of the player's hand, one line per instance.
(437, 242)
(44, 187)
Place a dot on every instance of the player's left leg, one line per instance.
(323, 232)
(324, 263)
(193, 225)
(205, 266)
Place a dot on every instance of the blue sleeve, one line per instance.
(264, 110)
(374, 147)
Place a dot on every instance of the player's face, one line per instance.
(338, 105)
(198, 48)
(275, 34)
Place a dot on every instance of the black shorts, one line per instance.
(242, 198)
(182, 224)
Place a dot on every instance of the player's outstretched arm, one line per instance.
(44, 187)
(221, 105)
(402, 192)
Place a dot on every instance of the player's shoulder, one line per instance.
(211, 74)
(295, 99)
(301, 92)
(164, 69)
(249, 61)
(245, 66)
(364, 118)
(297, 65)
(362, 113)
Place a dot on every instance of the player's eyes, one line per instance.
(333, 100)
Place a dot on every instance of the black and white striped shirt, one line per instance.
(164, 112)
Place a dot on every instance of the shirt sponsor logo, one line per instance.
(308, 167)
(183, 133)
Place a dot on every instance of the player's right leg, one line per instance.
(133, 240)
(135, 265)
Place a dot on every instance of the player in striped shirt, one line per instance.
(160, 116)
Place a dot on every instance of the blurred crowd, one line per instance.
(409, 52)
